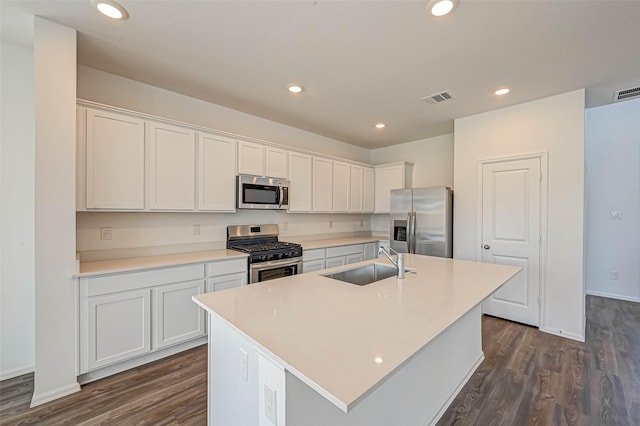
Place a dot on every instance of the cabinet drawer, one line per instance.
(354, 258)
(135, 280)
(313, 265)
(224, 282)
(224, 267)
(315, 254)
(344, 250)
(333, 262)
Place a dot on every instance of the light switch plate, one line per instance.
(270, 403)
(615, 215)
(105, 233)
(244, 364)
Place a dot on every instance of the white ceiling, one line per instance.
(360, 62)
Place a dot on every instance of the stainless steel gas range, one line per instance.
(268, 258)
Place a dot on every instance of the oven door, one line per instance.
(265, 271)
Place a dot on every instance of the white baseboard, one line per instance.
(41, 398)
(557, 332)
(613, 296)
(15, 372)
(455, 393)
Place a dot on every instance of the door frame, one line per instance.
(544, 179)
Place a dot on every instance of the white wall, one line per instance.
(55, 135)
(17, 290)
(433, 166)
(612, 183)
(110, 89)
(554, 125)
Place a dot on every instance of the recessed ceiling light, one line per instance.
(111, 9)
(504, 91)
(294, 88)
(380, 126)
(441, 7)
(378, 360)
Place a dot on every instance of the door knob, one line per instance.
(486, 246)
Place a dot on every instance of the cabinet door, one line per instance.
(356, 192)
(368, 190)
(313, 265)
(322, 184)
(114, 161)
(386, 179)
(216, 173)
(276, 162)
(300, 182)
(354, 258)
(224, 282)
(341, 186)
(176, 317)
(250, 158)
(114, 328)
(172, 167)
(332, 262)
(370, 250)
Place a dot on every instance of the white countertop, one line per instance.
(147, 262)
(329, 333)
(336, 242)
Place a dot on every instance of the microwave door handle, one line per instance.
(280, 196)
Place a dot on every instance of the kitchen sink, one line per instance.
(366, 274)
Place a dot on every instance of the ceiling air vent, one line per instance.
(623, 95)
(438, 97)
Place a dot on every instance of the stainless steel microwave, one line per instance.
(262, 193)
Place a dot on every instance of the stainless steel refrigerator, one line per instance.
(422, 221)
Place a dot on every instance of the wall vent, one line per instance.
(437, 98)
(623, 95)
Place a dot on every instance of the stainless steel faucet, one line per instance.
(399, 264)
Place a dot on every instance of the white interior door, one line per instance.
(511, 235)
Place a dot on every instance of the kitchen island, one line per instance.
(311, 350)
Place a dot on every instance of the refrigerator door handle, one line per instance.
(413, 232)
(408, 231)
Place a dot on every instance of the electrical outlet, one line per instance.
(285, 226)
(270, 403)
(330, 224)
(615, 215)
(105, 233)
(613, 275)
(196, 230)
(361, 223)
(244, 364)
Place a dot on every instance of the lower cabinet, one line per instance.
(331, 257)
(332, 262)
(175, 318)
(129, 315)
(370, 251)
(118, 328)
(313, 265)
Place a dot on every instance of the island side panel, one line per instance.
(416, 394)
(232, 394)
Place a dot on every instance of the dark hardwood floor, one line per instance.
(527, 378)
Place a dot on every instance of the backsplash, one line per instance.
(157, 233)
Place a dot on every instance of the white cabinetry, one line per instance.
(250, 158)
(117, 321)
(226, 274)
(388, 177)
(175, 319)
(368, 190)
(172, 167)
(216, 173)
(117, 327)
(370, 251)
(356, 190)
(111, 160)
(341, 186)
(344, 255)
(276, 164)
(322, 184)
(313, 260)
(300, 182)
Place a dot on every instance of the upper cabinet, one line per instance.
(276, 164)
(388, 177)
(341, 186)
(172, 167)
(216, 173)
(356, 189)
(299, 182)
(322, 184)
(368, 193)
(250, 158)
(261, 160)
(112, 147)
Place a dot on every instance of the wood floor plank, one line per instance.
(527, 378)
